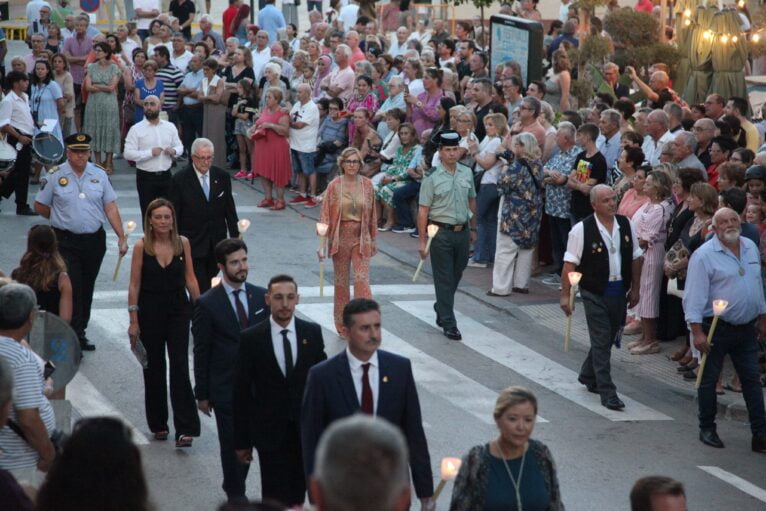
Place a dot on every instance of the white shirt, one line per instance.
(147, 5)
(304, 139)
(397, 49)
(260, 59)
(181, 62)
(14, 110)
(575, 245)
(348, 16)
(652, 150)
(127, 48)
(144, 136)
(278, 345)
(33, 10)
(372, 375)
(229, 289)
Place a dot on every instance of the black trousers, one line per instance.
(191, 125)
(449, 257)
(234, 472)
(605, 317)
(83, 254)
(164, 322)
(282, 476)
(151, 185)
(18, 180)
(205, 268)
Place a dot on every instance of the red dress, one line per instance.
(271, 155)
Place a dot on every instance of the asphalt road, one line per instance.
(599, 453)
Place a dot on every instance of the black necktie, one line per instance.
(241, 314)
(288, 353)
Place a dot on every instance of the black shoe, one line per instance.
(85, 345)
(759, 443)
(453, 333)
(25, 211)
(613, 403)
(438, 320)
(710, 437)
(588, 385)
(689, 375)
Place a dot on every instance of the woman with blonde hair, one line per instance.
(558, 85)
(512, 471)
(520, 185)
(348, 209)
(161, 272)
(271, 152)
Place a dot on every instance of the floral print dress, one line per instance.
(522, 205)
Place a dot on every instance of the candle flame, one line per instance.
(719, 306)
(243, 225)
(130, 226)
(432, 230)
(215, 281)
(574, 277)
(450, 467)
(322, 229)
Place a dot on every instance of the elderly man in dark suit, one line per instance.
(205, 209)
(219, 317)
(363, 378)
(274, 360)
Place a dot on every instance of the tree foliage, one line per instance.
(630, 29)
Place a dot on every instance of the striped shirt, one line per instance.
(27, 394)
(171, 78)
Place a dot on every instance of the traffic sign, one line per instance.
(90, 5)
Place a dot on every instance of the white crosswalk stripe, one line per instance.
(736, 481)
(430, 374)
(532, 365)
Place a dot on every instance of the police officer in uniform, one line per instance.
(77, 197)
(448, 200)
(603, 241)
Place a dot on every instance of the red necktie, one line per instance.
(241, 314)
(366, 391)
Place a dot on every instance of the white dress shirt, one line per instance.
(14, 110)
(653, 150)
(575, 245)
(372, 374)
(260, 59)
(278, 345)
(230, 290)
(144, 136)
(147, 5)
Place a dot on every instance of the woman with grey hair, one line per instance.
(520, 185)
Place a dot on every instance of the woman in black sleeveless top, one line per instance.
(43, 269)
(160, 312)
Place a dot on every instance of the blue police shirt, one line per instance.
(716, 274)
(77, 204)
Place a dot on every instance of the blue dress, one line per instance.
(43, 101)
(144, 92)
(501, 495)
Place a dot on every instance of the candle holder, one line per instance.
(574, 280)
(130, 226)
(431, 231)
(450, 468)
(719, 306)
(322, 232)
(243, 225)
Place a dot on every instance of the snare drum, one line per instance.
(54, 340)
(7, 154)
(48, 149)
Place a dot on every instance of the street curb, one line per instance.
(731, 410)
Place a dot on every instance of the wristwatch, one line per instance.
(132, 308)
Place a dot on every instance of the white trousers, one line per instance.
(513, 265)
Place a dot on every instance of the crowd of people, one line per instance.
(390, 122)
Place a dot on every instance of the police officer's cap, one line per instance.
(78, 142)
(449, 139)
(756, 172)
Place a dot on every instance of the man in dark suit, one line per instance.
(205, 209)
(219, 316)
(274, 360)
(364, 379)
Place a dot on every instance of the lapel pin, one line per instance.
(385, 379)
(305, 342)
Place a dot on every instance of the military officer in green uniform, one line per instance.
(78, 199)
(448, 200)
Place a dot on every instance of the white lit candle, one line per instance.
(215, 281)
(719, 306)
(574, 280)
(450, 468)
(322, 232)
(431, 231)
(243, 225)
(130, 226)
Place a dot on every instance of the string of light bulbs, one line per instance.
(722, 37)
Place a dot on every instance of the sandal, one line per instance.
(679, 354)
(266, 203)
(161, 435)
(732, 388)
(184, 441)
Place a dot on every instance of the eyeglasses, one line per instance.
(352, 162)
(525, 108)
(202, 158)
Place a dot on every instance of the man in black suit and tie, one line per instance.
(365, 379)
(274, 360)
(219, 317)
(205, 209)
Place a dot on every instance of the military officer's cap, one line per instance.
(78, 142)
(449, 139)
